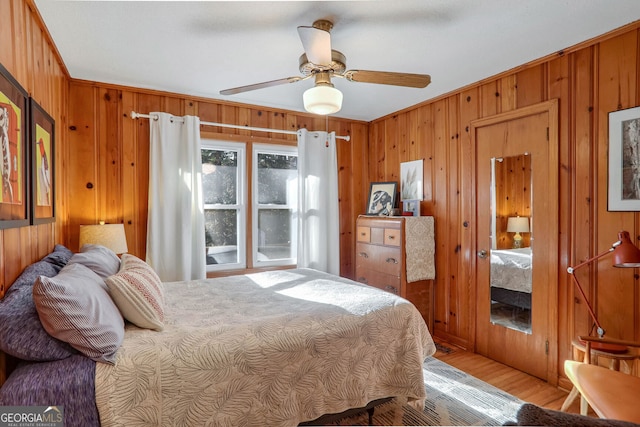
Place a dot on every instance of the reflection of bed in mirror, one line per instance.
(511, 277)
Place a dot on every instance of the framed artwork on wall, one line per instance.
(14, 110)
(42, 146)
(382, 198)
(411, 180)
(624, 160)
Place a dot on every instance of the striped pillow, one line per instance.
(138, 292)
(75, 307)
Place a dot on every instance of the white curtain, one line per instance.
(175, 229)
(319, 217)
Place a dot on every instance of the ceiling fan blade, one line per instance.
(388, 78)
(262, 85)
(317, 44)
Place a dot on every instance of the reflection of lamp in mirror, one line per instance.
(517, 224)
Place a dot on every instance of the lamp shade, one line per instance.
(518, 224)
(322, 99)
(625, 253)
(109, 235)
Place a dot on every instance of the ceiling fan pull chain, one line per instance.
(326, 128)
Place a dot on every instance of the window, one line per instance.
(224, 195)
(272, 229)
(275, 201)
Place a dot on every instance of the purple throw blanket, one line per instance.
(68, 383)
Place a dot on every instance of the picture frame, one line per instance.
(411, 207)
(42, 148)
(14, 153)
(624, 160)
(411, 180)
(382, 198)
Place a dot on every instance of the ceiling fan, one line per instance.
(323, 63)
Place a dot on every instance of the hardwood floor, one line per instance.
(513, 381)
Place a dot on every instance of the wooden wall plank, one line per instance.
(531, 86)
(82, 171)
(458, 321)
(109, 161)
(440, 210)
(21, 26)
(130, 198)
(7, 33)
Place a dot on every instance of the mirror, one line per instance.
(511, 242)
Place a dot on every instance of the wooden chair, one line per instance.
(611, 394)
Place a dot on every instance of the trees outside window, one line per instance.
(275, 188)
(272, 228)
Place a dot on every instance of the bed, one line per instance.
(511, 277)
(272, 348)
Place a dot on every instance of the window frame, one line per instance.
(241, 200)
(277, 149)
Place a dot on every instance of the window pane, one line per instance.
(219, 177)
(221, 235)
(274, 234)
(276, 172)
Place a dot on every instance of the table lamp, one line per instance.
(109, 235)
(517, 224)
(625, 255)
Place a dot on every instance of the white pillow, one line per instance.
(75, 307)
(100, 259)
(138, 293)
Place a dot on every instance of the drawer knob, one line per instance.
(363, 255)
(391, 237)
(392, 260)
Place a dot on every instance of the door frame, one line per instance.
(551, 108)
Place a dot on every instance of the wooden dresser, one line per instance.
(381, 262)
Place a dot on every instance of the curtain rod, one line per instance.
(135, 115)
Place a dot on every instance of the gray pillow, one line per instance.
(59, 257)
(532, 415)
(100, 259)
(21, 333)
(75, 307)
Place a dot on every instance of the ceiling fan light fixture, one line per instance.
(322, 99)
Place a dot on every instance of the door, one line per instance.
(516, 238)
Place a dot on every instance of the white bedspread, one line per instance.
(511, 269)
(273, 348)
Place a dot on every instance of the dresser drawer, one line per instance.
(386, 282)
(363, 234)
(379, 258)
(392, 237)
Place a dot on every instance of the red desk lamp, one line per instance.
(625, 255)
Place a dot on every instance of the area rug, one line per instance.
(454, 398)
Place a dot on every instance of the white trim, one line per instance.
(292, 204)
(241, 205)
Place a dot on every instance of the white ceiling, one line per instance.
(201, 47)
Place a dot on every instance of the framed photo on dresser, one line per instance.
(382, 198)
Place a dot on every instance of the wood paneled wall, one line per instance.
(589, 81)
(26, 53)
(102, 164)
(108, 172)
